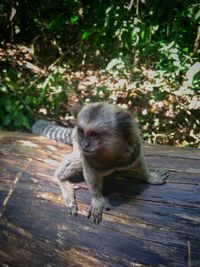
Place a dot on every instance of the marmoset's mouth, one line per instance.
(88, 152)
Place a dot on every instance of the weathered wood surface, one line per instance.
(147, 225)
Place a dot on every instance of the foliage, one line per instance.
(136, 54)
(19, 102)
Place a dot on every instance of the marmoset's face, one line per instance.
(102, 129)
(91, 141)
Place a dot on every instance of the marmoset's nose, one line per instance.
(85, 144)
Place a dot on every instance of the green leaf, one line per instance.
(197, 16)
(113, 63)
(175, 57)
(11, 84)
(192, 71)
(74, 19)
(8, 119)
(142, 35)
(86, 34)
(12, 74)
(24, 121)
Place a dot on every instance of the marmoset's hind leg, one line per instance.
(140, 168)
(70, 166)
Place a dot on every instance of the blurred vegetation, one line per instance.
(143, 55)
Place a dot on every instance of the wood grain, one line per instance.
(146, 225)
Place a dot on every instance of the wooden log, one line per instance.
(146, 225)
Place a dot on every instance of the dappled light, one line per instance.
(140, 55)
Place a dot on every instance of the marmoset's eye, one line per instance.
(94, 134)
(80, 131)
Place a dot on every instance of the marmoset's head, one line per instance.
(103, 128)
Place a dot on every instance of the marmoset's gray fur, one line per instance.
(105, 139)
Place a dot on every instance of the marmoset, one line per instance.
(105, 139)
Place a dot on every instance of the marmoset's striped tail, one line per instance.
(52, 131)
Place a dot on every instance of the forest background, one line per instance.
(142, 55)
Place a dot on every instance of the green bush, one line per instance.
(143, 55)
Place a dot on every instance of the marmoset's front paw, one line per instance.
(72, 209)
(96, 208)
(71, 206)
(158, 177)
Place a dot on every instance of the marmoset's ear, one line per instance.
(76, 109)
(125, 123)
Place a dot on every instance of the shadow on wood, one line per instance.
(146, 225)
